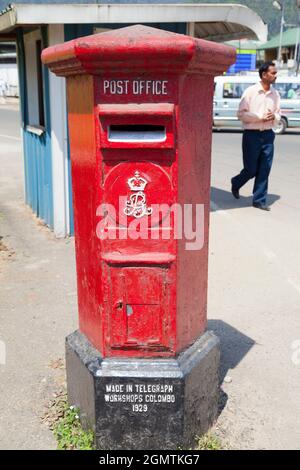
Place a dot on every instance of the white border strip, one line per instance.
(59, 145)
(133, 13)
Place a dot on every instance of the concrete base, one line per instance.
(144, 403)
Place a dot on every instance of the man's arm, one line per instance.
(244, 114)
(275, 115)
(277, 112)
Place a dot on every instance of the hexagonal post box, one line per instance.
(142, 368)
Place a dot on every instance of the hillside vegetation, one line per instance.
(266, 11)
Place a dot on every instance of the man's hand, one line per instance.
(269, 116)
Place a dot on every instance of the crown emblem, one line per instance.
(137, 183)
(136, 204)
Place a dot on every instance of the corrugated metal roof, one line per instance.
(221, 30)
(242, 45)
(289, 38)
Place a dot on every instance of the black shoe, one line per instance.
(235, 192)
(263, 207)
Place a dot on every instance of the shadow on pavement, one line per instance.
(223, 200)
(234, 347)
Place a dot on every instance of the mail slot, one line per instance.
(137, 126)
(136, 133)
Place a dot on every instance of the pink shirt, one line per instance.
(255, 103)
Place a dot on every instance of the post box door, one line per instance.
(139, 314)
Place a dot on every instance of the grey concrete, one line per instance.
(145, 403)
(254, 300)
(37, 303)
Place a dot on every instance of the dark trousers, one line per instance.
(258, 151)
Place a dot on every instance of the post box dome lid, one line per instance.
(138, 48)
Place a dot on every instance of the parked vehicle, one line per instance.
(229, 90)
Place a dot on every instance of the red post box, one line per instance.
(142, 366)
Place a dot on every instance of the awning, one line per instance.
(217, 22)
(290, 37)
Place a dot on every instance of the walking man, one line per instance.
(259, 111)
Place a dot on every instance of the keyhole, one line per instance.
(129, 310)
(119, 304)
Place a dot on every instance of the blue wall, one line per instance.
(37, 149)
(38, 175)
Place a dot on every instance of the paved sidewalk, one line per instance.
(38, 305)
(254, 298)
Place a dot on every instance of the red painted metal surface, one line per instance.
(142, 296)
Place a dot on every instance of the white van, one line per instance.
(229, 90)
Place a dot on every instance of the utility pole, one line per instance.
(297, 55)
(280, 6)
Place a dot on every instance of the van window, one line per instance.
(234, 90)
(288, 91)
